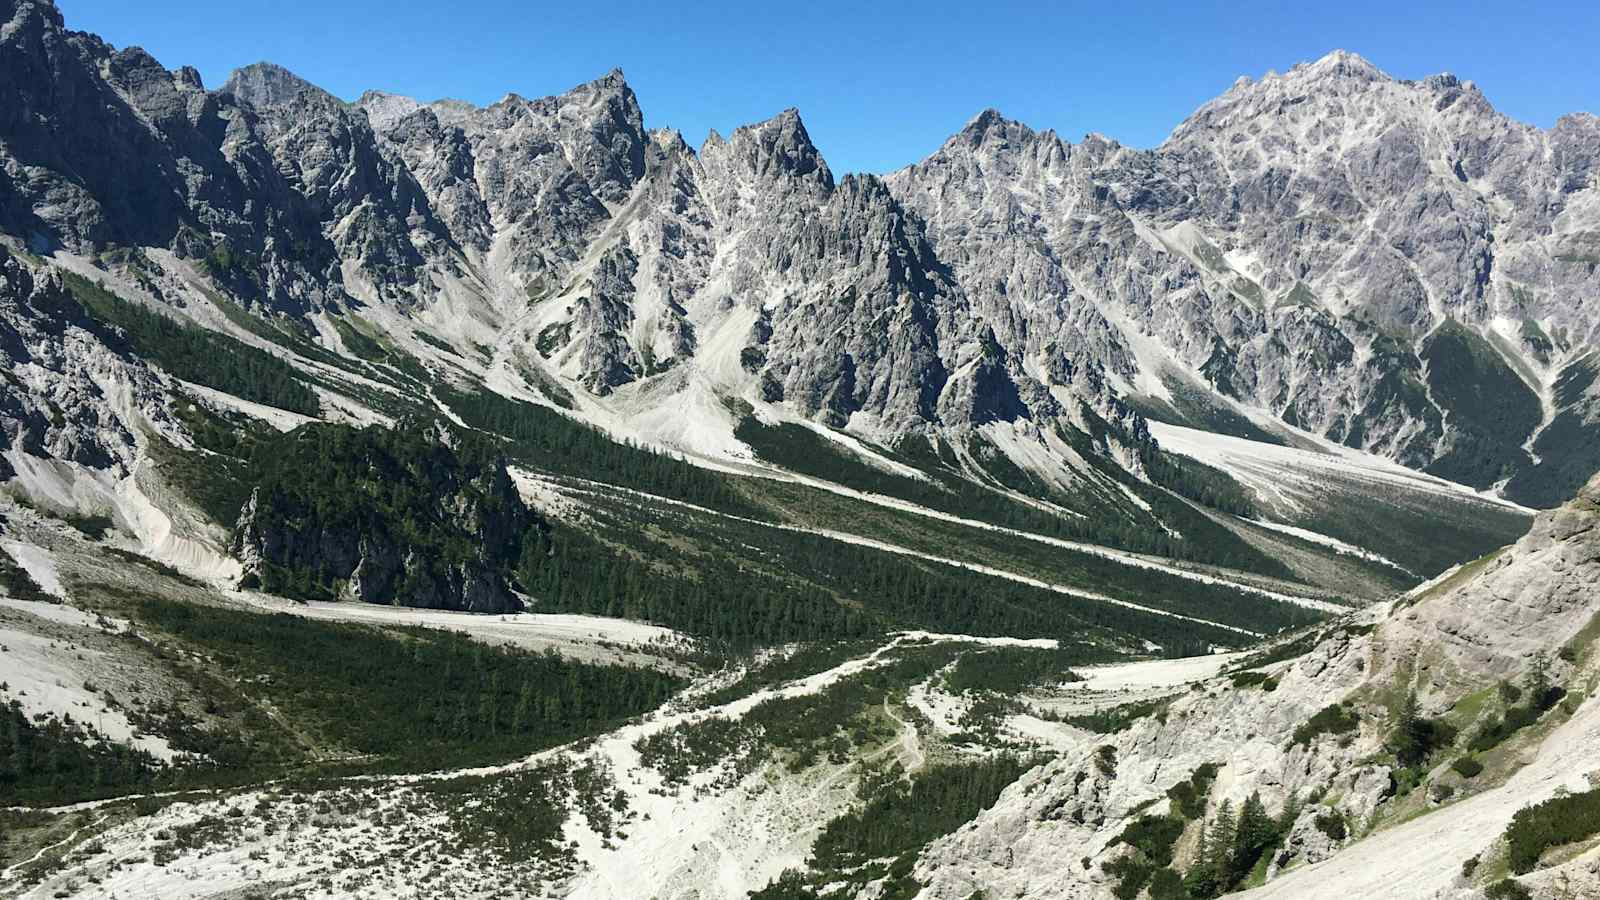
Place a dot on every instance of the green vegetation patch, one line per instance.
(1569, 446)
(1337, 719)
(421, 697)
(1118, 718)
(1507, 889)
(1189, 797)
(1205, 485)
(800, 731)
(1090, 572)
(195, 354)
(93, 527)
(1117, 524)
(902, 816)
(1491, 409)
(1152, 839)
(1255, 679)
(16, 582)
(1415, 737)
(53, 760)
(328, 491)
(1553, 823)
(547, 440)
(895, 818)
(517, 816)
(1234, 850)
(1012, 670)
(1541, 696)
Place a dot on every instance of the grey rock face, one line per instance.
(1292, 245)
(1527, 599)
(67, 394)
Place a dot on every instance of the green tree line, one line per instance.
(193, 353)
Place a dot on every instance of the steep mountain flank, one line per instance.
(1360, 728)
(1297, 245)
(73, 391)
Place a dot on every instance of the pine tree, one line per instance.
(1538, 679)
(520, 718)
(1223, 832)
(1255, 833)
(1412, 733)
(1291, 812)
(1201, 881)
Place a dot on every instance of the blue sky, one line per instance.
(879, 85)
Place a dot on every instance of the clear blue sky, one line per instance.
(879, 85)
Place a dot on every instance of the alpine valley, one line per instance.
(414, 499)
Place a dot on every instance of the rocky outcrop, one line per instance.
(70, 392)
(398, 518)
(1489, 618)
(1463, 633)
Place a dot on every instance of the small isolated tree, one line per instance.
(1409, 737)
(1254, 834)
(1539, 678)
(1201, 881)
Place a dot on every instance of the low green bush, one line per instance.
(1507, 889)
(1497, 730)
(92, 527)
(1557, 821)
(1335, 719)
(1332, 824)
(1189, 797)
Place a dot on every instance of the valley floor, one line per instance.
(722, 831)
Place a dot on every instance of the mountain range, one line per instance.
(410, 498)
(1390, 265)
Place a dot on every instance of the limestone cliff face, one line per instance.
(71, 392)
(1491, 617)
(1461, 634)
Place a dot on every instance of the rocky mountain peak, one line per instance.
(189, 77)
(992, 128)
(1306, 107)
(780, 147)
(1342, 64)
(671, 142)
(980, 124)
(266, 85)
(384, 110)
(17, 13)
(610, 90)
